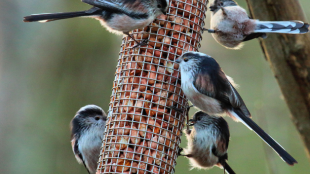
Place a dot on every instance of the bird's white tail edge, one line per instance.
(288, 27)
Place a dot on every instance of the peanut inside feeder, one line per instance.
(143, 132)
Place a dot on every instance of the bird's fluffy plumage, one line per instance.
(215, 95)
(207, 142)
(118, 16)
(231, 25)
(87, 131)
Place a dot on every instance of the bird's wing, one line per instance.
(77, 153)
(106, 4)
(216, 152)
(225, 134)
(119, 5)
(234, 97)
(222, 141)
(75, 148)
(219, 88)
(203, 84)
(236, 100)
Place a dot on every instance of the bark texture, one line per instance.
(289, 58)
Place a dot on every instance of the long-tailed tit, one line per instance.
(207, 142)
(87, 131)
(231, 25)
(205, 84)
(118, 16)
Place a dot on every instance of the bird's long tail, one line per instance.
(47, 17)
(227, 168)
(263, 135)
(288, 27)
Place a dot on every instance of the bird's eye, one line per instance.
(198, 118)
(221, 3)
(185, 59)
(97, 118)
(159, 6)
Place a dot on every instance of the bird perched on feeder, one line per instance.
(231, 25)
(118, 16)
(205, 84)
(207, 142)
(87, 131)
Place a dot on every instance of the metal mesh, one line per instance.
(143, 132)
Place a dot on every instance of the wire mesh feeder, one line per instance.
(143, 132)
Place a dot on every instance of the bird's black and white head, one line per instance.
(161, 7)
(195, 62)
(202, 120)
(217, 4)
(86, 117)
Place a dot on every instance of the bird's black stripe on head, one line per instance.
(193, 54)
(190, 54)
(199, 113)
(90, 112)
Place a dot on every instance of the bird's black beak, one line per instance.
(178, 60)
(164, 12)
(191, 122)
(213, 8)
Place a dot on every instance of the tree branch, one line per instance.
(289, 58)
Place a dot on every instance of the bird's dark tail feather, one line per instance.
(263, 135)
(288, 27)
(227, 168)
(254, 35)
(55, 16)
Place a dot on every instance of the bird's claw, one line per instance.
(180, 110)
(140, 44)
(209, 30)
(177, 109)
(179, 152)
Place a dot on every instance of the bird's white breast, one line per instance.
(89, 145)
(200, 145)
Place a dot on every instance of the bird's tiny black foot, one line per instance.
(209, 30)
(140, 44)
(143, 43)
(188, 131)
(179, 152)
(180, 110)
(177, 109)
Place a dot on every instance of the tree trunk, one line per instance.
(289, 59)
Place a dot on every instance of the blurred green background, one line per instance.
(48, 71)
